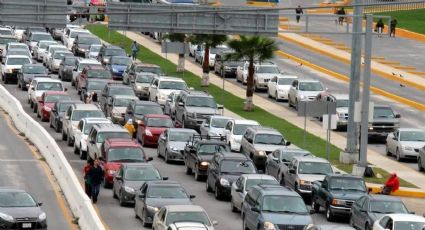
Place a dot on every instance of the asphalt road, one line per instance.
(20, 168)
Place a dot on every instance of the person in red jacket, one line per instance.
(392, 184)
(86, 168)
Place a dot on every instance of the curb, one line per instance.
(262, 4)
(404, 192)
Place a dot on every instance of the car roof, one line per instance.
(378, 197)
(33, 64)
(156, 116)
(189, 225)
(7, 36)
(197, 93)
(137, 64)
(121, 142)
(220, 117)
(89, 60)
(167, 78)
(407, 217)
(410, 129)
(55, 93)
(39, 32)
(17, 56)
(182, 130)
(287, 76)
(110, 127)
(335, 175)
(262, 129)
(96, 120)
(311, 159)
(245, 122)
(46, 79)
(17, 43)
(113, 47)
(150, 103)
(126, 97)
(275, 189)
(258, 176)
(308, 80)
(95, 67)
(184, 208)
(86, 107)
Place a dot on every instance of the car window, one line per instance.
(80, 114)
(219, 122)
(347, 184)
(314, 168)
(50, 86)
(167, 192)
(105, 135)
(126, 154)
(187, 217)
(234, 166)
(287, 204)
(387, 207)
(269, 139)
(9, 199)
(209, 149)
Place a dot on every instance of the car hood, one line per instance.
(385, 120)
(203, 110)
(207, 158)
(375, 216)
(230, 177)
(156, 130)
(342, 110)
(347, 195)
(281, 218)
(265, 75)
(120, 109)
(309, 93)
(32, 76)
(177, 144)
(217, 131)
(134, 184)
(167, 92)
(20, 212)
(119, 68)
(414, 144)
(268, 148)
(160, 202)
(13, 66)
(311, 177)
(112, 165)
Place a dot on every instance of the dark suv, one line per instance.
(107, 51)
(82, 43)
(224, 169)
(385, 121)
(112, 89)
(92, 71)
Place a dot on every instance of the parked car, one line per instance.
(242, 72)
(171, 143)
(117, 65)
(263, 73)
(162, 86)
(92, 51)
(399, 222)
(223, 67)
(47, 101)
(11, 67)
(243, 184)
(92, 71)
(58, 111)
(274, 206)
(151, 127)
(278, 87)
(405, 143)
(108, 51)
(234, 130)
(40, 85)
(258, 142)
(224, 169)
(369, 208)
(116, 107)
(142, 83)
(304, 90)
(82, 43)
(28, 72)
(172, 214)
(82, 132)
(153, 195)
(214, 125)
(136, 67)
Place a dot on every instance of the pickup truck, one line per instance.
(385, 121)
(337, 193)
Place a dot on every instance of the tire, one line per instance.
(31, 103)
(188, 170)
(76, 150)
(296, 104)
(34, 108)
(329, 214)
(244, 227)
(269, 95)
(387, 151)
(208, 188)
(183, 122)
(122, 203)
(397, 155)
(314, 205)
(197, 176)
(83, 156)
(289, 101)
(166, 157)
(69, 141)
(57, 128)
(232, 207)
(143, 219)
(51, 124)
(64, 136)
(420, 167)
(115, 196)
(351, 222)
(216, 193)
(367, 226)
(276, 98)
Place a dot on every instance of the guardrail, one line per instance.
(79, 203)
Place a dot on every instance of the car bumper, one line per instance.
(261, 85)
(340, 211)
(20, 225)
(175, 155)
(376, 133)
(224, 191)
(141, 93)
(117, 76)
(259, 161)
(128, 197)
(194, 122)
(282, 95)
(409, 154)
(151, 140)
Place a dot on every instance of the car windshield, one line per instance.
(18, 52)
(237, 167)
(54, 49)
(409, 225)
(159, 122)
(412, 136)
(88, 40)
(288, 155)
(126, 154)
(37, 29)
(18, 61)
(99, 73)
(285, 81)
(155, 70)
(142, 174)
(7, 40)
(284, 204)
(167, 192)
(178, 85)
(63, 106)
(96, 85)
(180, 136)
(102, 136)
(210, 149)
(144, 78)
(253, 182)
(310, 86)
(6, 32)
(383, 112)
(269, 139)
(240, 129)
(122, 102)
(70, 61)
(34, 69)
(126, 91)
(81, 66)
(95, 48)
(382, 206)
(267, 69)
(9, 199)
(75, 33)
(201, 102)
(55, 98)
(219, 122)
(321, 168)
(347, 184)
(50, 86)
(121, 61)
(148, 109)
(39, 37)
(180, 216)
(115, 52)
(60, 55)
(45, 44)
(18, 46)
(342, 103)
(80, 114)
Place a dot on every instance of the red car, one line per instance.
(92, 71)
(151, 126)
(47, 101)
(117, 151)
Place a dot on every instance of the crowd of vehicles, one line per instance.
(252, 166)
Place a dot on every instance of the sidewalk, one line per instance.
(338, 140)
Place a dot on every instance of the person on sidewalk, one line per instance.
(393, 24)
(95, 177)
(130, 127)
(134, 50)
(341, 12)
(86, 169)
(379, 27)
(392, 184)
(298, 11)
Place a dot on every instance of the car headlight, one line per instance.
(42, 216)
(204, 163)
(261, 153)
(148, 132)
(6, 217)
(302, 96)
(224, 182)
(9, 71)
(47, 109)
(193, 115)
(269, 226)
(139, 87)
(305, 182)
(174, 149)
(129, 189)
(152, 208)
(111, 172)
(338, 202)
(114, 70)
(408, 148)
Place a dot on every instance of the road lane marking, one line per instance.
(18, 160)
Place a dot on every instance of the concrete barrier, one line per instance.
(79, 203)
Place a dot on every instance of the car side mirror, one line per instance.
(40, 204)
(149, 159)
(118, 177)
(254, 209)
(292, 171)
(397, 116)
(192, 196)
(239, 189)
(288, 143)
(165, 178)
(214, 222)
(180, 104)
(275, 159)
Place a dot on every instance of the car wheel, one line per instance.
(76, 150)
(232, 206)
(329, 214)
(72, 83)
(397, 155)
(144, 219)
(69, 141)
(367, 226)
(122, 203)
(420, 167)
(351, 221)
(217, 193)
(281, 179)
(157, 152)
(268, 94)
(34, 108)
(50, 124)
(64, 136)
(188, 170)
(183, 122)
(166, 157)
(244, 227)
(289, 101)
(387, 151)
(197, 176)
(83, 156)
(296, 104)
(276, 97)
(114, 195)
(315, 205)
(57, 129)
(208, 187)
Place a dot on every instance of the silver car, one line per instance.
(141, 84)
(116, 107)
(170, 106)
(171, 143)
(243, 184)
(405, 143)
(278, 161)
(214, 125)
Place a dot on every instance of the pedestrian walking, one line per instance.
(134, 50)
(86, 169)
(298, 11)
(341, 12)
(393, 24)
(379, 27)
(95, 177)
(130, 127)
(392, 184)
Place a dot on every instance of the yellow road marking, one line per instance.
(376, 90)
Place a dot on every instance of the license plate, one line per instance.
(26, 225)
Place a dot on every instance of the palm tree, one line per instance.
(176, 37)
(209, 41)
(251, 48)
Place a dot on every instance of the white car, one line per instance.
(242, 73)
(193, 48)
(82, 132)
(264, 72)
(400, 222)
(241, 186)
(199, 54)
(12, 65)
(304, 90)
(54, 62)
(67, 29)
(35, 37)
(93, 51)
(15, 45)
(171, 214)
(40, 50)
(81, 64)
(162, 86)
(69, 39)
(214, 125)
(234, 130)
(7, 31)
(50, 50)
(40, 85)
(405, 143)
(278, 87)
(19, 31)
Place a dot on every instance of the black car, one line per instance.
(82, 43)
(224, 169)
(137, 109)
(152, 196)
(66, 67)
(107, 51)
(28, 72)
(19, 210)
(57, 113)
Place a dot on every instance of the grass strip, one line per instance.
(315, 144)
(413, 20)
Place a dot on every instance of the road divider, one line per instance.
(405, 192)
(79, 203)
